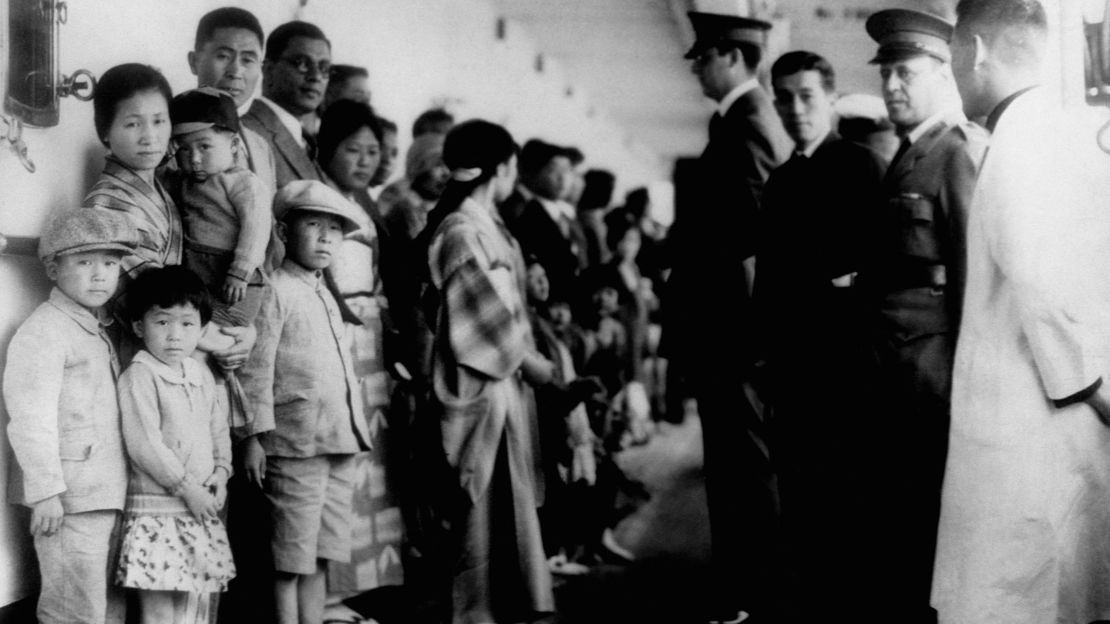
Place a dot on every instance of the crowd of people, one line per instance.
(275, 380)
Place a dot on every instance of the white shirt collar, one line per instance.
(188, 375)
(556, 208)
(730, 99)
(923, 127)
(808, 152)
(291, 123)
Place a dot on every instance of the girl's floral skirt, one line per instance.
(175, 552)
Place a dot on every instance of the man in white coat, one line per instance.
(1024, 533)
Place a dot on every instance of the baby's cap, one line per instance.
(74, 230)
(202, 108)
(317, 197)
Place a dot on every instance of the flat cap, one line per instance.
(714, 29)
(903, 33)
(315, 196)
(198, 109)
(74, 230)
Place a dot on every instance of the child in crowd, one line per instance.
(59, 389)
(175, 549)
(308, 424)
(225, 208)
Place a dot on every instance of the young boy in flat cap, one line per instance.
(225, 208)
(60, 391)
(300, 382)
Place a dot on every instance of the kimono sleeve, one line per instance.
(486, 325)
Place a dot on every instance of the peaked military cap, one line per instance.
(714, 29)
(902, 33)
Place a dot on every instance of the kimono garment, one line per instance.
(1024, 534)
(151, 210)
(489, 436)
(377, 527)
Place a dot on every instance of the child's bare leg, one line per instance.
(312, 594)
(286, 597)
(156, 607)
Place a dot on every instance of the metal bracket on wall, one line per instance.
(13, 134)
(19, 246)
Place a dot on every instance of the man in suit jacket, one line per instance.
(708, 320)
(294, 79)
(916, 279)
(547, 226)
(817, 209)
(228, 56)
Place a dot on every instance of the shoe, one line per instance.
(612, 550)
(739, 616)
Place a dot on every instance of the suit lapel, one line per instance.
(284, 144)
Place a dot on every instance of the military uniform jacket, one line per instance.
(706, 295)
(918, 267)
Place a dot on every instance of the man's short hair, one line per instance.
(227, 17)
(282, 35)
(535, 155)
(799, 61)
(343, 73)
(432, 120)
(1021, 21)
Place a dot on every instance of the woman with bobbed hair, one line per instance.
(483, 361)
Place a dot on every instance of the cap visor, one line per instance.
(119, 247)
(190, 126)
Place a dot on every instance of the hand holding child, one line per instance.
(234, 290)
(217, 485)
(254, 460)
(199, 500)
(46, 516)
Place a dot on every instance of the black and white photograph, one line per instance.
(555, 311)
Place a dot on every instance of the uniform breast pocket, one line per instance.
(918, 226)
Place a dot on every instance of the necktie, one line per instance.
(902, 149)
(309, 144)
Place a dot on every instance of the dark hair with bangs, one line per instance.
(342, 119)
(120, 83)
(167, 287)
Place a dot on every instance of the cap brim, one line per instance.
(120, 247)
(190, 126)
(901, 54)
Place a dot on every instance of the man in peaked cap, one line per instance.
(915, 282)
(712, 248)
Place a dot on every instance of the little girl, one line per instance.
(175, 549)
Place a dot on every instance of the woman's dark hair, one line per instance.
(473, 144)
(342, 119)
(598, 190)
(119, 83)
(167, 287)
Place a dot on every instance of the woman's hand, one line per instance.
(236, 355)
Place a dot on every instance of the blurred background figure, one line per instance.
(348, 82)
(593, 204)
(432, 121)
(863, 120)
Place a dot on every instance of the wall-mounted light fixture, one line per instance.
(35, 83)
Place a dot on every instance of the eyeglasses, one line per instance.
(304, 65)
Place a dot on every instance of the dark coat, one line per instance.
(291, 161)
(539, 235)
(706, 298)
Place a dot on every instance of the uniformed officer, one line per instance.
(916, 279)
(708, 327)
